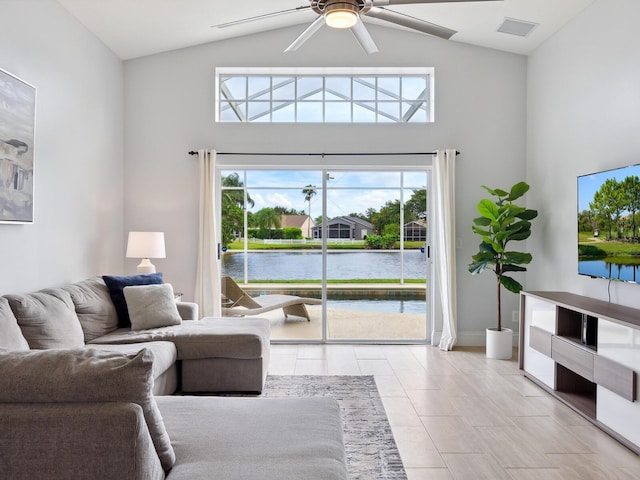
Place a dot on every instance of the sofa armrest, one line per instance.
(76, 440)
(188, 310)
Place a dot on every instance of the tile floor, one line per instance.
(457, 415)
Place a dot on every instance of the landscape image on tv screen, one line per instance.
(609, 224)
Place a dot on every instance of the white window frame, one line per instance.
(327, 72)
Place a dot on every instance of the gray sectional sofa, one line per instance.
(82, 396)
(207, 355)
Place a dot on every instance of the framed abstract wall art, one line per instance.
(17, 136)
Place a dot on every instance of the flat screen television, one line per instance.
(609, 224)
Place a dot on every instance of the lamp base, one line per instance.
(145, 266)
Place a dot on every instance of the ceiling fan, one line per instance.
(349, 13)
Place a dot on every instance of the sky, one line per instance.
(348, 192)
(588, 185)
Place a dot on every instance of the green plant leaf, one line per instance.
(496, 192)
(497, 247)
(501, 236)
(504, 221)
(515, 210)
(528, 214)
(519, 230)
(481, 231)
(518, 190)
(478, 267)
(523, 235)
(520, 226)
(486, 247)
(484, 257)
(509, 267)
(488, 209)
(517, 258)
(510, 284)
(482, 221)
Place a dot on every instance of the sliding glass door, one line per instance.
(351, 243)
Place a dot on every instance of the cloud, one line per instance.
(349, 191)
(280, 200)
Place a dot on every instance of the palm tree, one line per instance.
(309, 192)
(267, 218)
(234, 190)
(233, 206)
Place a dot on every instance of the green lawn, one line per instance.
(586, 237)
(239, 246)
(611, 251)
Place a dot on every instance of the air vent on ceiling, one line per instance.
(516, 27)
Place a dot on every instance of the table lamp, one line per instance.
(146, 245)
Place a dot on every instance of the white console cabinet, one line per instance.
(541, 315)
(586, 352)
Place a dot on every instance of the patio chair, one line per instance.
(239, 303)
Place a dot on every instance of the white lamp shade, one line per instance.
(146, 245)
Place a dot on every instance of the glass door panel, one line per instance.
(275, 255)
(415, 241)
(375, 280)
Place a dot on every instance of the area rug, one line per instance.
(371, 450)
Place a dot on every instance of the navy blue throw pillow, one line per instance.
(116, 290)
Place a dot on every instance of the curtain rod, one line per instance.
(264, 154)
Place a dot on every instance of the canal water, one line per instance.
(601, 268)
(341, 265)
(380, 305)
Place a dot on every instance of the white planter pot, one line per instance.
(500, 343)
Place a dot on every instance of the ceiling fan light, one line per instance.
(341, 15)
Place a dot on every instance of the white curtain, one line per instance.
(208, 290)
(445, 242)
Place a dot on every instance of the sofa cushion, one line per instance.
(164, 353)
(47, 319)
(242, 338)
(86, 375)
(11, 336)
(151, 306)
(94, 307)
(116, 286)
(265, 438)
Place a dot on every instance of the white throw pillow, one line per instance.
(151, 306)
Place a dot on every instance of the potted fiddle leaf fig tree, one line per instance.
(500, 222)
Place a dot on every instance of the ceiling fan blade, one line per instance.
(382, 3)
(363, 37)
(411, 22)
(306, 35)
(260, 17)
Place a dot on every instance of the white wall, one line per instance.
(583, 116)
(480, 102)
(78, 149)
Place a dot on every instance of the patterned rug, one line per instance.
(372, 453)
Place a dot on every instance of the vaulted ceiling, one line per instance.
(144, 27)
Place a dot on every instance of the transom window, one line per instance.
(337, 95)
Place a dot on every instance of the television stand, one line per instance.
(586, 353)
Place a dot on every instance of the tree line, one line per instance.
(615, 208)
(265, 223)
